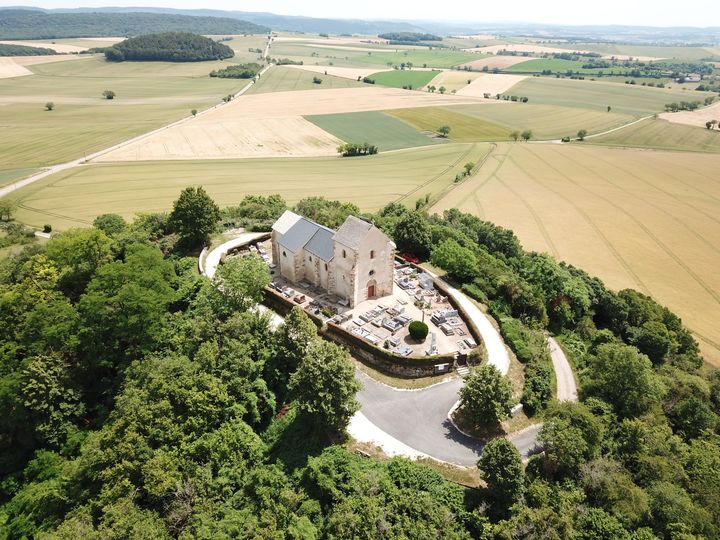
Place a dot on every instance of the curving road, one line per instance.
(566, 387)
(418, 420)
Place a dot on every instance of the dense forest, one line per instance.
(23, 50)
(238, 71)
(409, 37)
(140, 400)
(36, 24)
(168, 47)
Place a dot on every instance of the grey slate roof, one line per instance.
(321, 244)
(352, 232)
(284, 222)
(312, 236)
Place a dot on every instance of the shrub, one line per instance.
(418, 330)
(108, 94)
(47, 228)
(49, 106)
(317, 80)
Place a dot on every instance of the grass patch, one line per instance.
(9, 176)
(545, 121)
(403, 78)
(595, 95)
(149, 95)
(463, 127)
(373, 127)
(663, 135)
(75, 197)
(283, 79)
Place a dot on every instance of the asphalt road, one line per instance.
(419, 419)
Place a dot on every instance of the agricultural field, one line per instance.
(494, 62)
(271, 124)
(8, 176)
(373, 127)
(404, 78)
(595, 95)
(73, 198)
(663, 135)
(636, 218)
(453, 80)
(463, 127)
(435, 58)
(491, 84)
(284, 79)
(696, 118)
(546, 121)
(148, 95)
(641, 52)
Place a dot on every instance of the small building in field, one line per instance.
(354, 263)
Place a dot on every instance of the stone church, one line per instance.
(355, 263)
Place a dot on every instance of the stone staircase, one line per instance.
(463, 371)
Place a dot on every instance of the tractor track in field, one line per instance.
(645, 229)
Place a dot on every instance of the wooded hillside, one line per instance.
(36, 24)
(22, 50)
(169, 47)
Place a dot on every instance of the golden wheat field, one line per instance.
(636, 218)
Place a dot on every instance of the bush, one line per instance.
(317, 80)
(418, 330)
(49, 106)
(108, 94)
(47, 228)
(239, 71)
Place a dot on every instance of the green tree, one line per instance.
(515, 135)
(486, 396)
(413, 235)
(653, 339)
(110, 224)
(459, 262)
(624, 377)
(501, 467)
(444, 131)
(194, 216)
(526, 135)
(324, 386)
(418, 330)
(7, 207)
(240, 282)
(108, 94)
(469, 166)
(582, 134)
(49, 106)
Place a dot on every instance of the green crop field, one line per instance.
(283, 79)
(463, 127)
(636, 218)
(400, 78)
(373, 127)
(663, 135)
(538, 65)
(440, 58)
(148, 95)
(545, 121)
(596, 95)
(680, 53)
(74, 197)
(7, 176)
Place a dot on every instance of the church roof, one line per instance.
(321, 244)
(284, 222)
(352, 232)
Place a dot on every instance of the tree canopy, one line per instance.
(168, 47)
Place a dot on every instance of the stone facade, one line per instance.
(354, 263)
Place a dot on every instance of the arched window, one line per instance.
(372, 254)
(325, 266)
(284, 254)
(310, 258)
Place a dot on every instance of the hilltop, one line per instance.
(38, 24)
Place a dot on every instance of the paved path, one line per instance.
(566, 387)
(415, 423)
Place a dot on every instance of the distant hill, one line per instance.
(39, 24)
(276, 22)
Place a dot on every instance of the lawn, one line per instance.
(373, 127)
(463, 128)
(664, 135)
(404, 78)
(545, 121)
(282, 79)
(636, 218)
(74, 197)
(595, 95)
(149, 95)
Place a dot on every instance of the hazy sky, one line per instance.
(629, 12)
